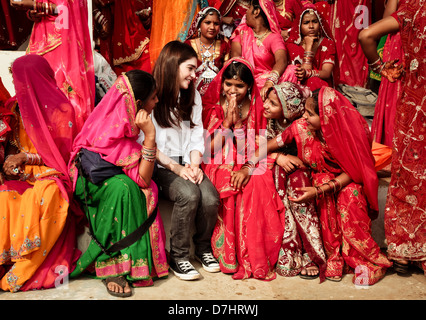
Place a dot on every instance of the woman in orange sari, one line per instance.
(38, 213)
(248, 233)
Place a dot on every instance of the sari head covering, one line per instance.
(212, 110)
(48, 115)
(213, 117)
(50, 123)
(292, 98)
(296, 33)
(193, 30)
(268, 7)
(115, 136)
(348, 137)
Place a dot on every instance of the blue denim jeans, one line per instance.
(194, 205)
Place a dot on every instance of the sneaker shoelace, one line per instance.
(185, 266)
(208, 258)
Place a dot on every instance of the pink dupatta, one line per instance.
(49, 120)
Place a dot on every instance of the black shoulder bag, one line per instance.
(91, 166)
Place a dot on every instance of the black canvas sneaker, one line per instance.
(209, 262)
(184, 270)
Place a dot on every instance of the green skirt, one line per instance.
(115, 208)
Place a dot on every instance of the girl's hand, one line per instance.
(308, 194)
(309, 42)
(300, 73)
(240, 178)
(289, 163)
(198, 173)
(13, 165)
(186, 173)
(144, 122)
(265, 89)
(391, 70)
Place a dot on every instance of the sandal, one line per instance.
(338, 279)
(308, 276)
(120, 281)
(400, 268)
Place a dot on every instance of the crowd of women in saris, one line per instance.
(245, 133)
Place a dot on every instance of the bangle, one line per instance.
(274, 77)
(316, 192)
(239, 133)
(149, 154)
(308, 73)
(33, 159)
(249, 165)
(314, 73)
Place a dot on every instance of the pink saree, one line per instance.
(247, 236)
(261, 56)
(345, 216)
(64, 41)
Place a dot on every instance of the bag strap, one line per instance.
(127, 240)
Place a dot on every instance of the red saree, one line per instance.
(405, 220)
(352, 61)
(345, 216)
(208, 66)
(301, 245)
(325, 53)
(248, 233)
(382, 127)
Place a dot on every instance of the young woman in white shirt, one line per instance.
(180, 145)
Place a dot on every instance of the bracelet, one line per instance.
(249, 165)
(33, 159)
(308, 73)
(149, 154)
(239, 133)
(314, 73)
(274, 77)
(280, 141)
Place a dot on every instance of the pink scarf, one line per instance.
(47, 114)
(111, 130)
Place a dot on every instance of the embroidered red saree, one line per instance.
(248, 233)
(405, 220)
(346, 216)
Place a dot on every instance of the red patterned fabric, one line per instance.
(405, 219)
(248, 233)
(345, 221)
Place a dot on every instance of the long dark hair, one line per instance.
(143, 84)
(172, 100)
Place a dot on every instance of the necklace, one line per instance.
(259, 38)
(206, 54)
